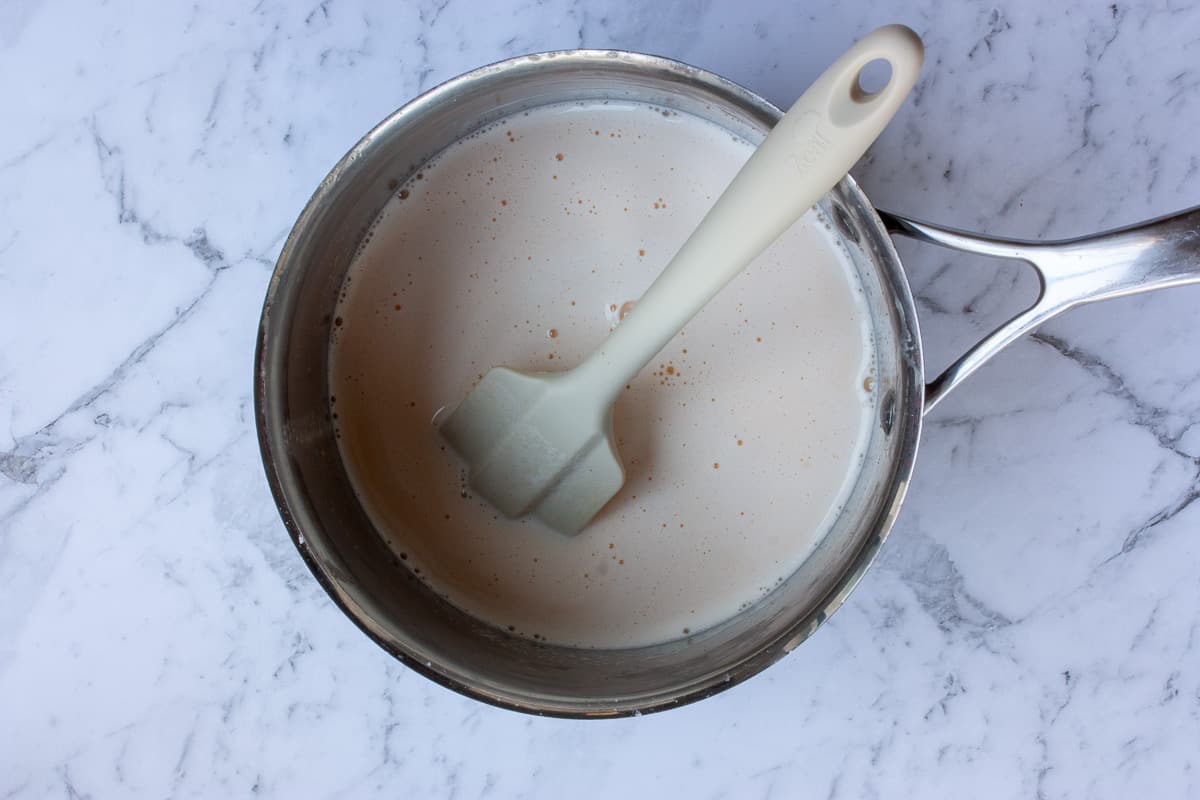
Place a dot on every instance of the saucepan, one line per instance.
(350, 558)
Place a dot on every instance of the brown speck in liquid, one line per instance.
(666, 113)
(716, 465)
(553, 333)
(398, 306)
(558, 156)
(612, 307)
(551, 356)
(503, 202)
(867, 383)
(553, 177)
(670, 370)
(404, 194)
(685, 349)
(337, 321)
(621, 561)
(758, 338)
(611, 545)
(739, 442)
(572, 302)
(641, 252)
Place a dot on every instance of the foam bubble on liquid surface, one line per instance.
(523, 246)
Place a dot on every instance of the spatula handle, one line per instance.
(804, 156)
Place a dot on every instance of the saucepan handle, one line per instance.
(1156, 254)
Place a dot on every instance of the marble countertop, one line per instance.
(1031, 628)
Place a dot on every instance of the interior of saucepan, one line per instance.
(351, 559)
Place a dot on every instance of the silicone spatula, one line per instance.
(543, 443)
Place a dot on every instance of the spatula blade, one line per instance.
(532, 446)
(583, 489)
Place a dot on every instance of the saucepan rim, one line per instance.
(280, 470)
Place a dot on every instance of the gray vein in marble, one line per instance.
(997, 25)
(940, 588)
(180, 771)
(32, 150)
(210, 117)
(429, 17)
(1143, 531)
(1145, 416)
(1049, 720)
(1151, 418)
(1001, 285)
(322, 8)
(932, 305)
(1183, 84)
(1096, 52)
(24, 461)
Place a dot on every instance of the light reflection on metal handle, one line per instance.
(1155, 254)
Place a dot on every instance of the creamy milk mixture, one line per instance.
(523, 245)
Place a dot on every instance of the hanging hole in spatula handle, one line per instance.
(818, 140)
(873, 78)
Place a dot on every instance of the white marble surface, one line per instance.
(1032, 627)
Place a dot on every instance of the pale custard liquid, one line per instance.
(520, 246)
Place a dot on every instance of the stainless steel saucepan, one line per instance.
(351, 561)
